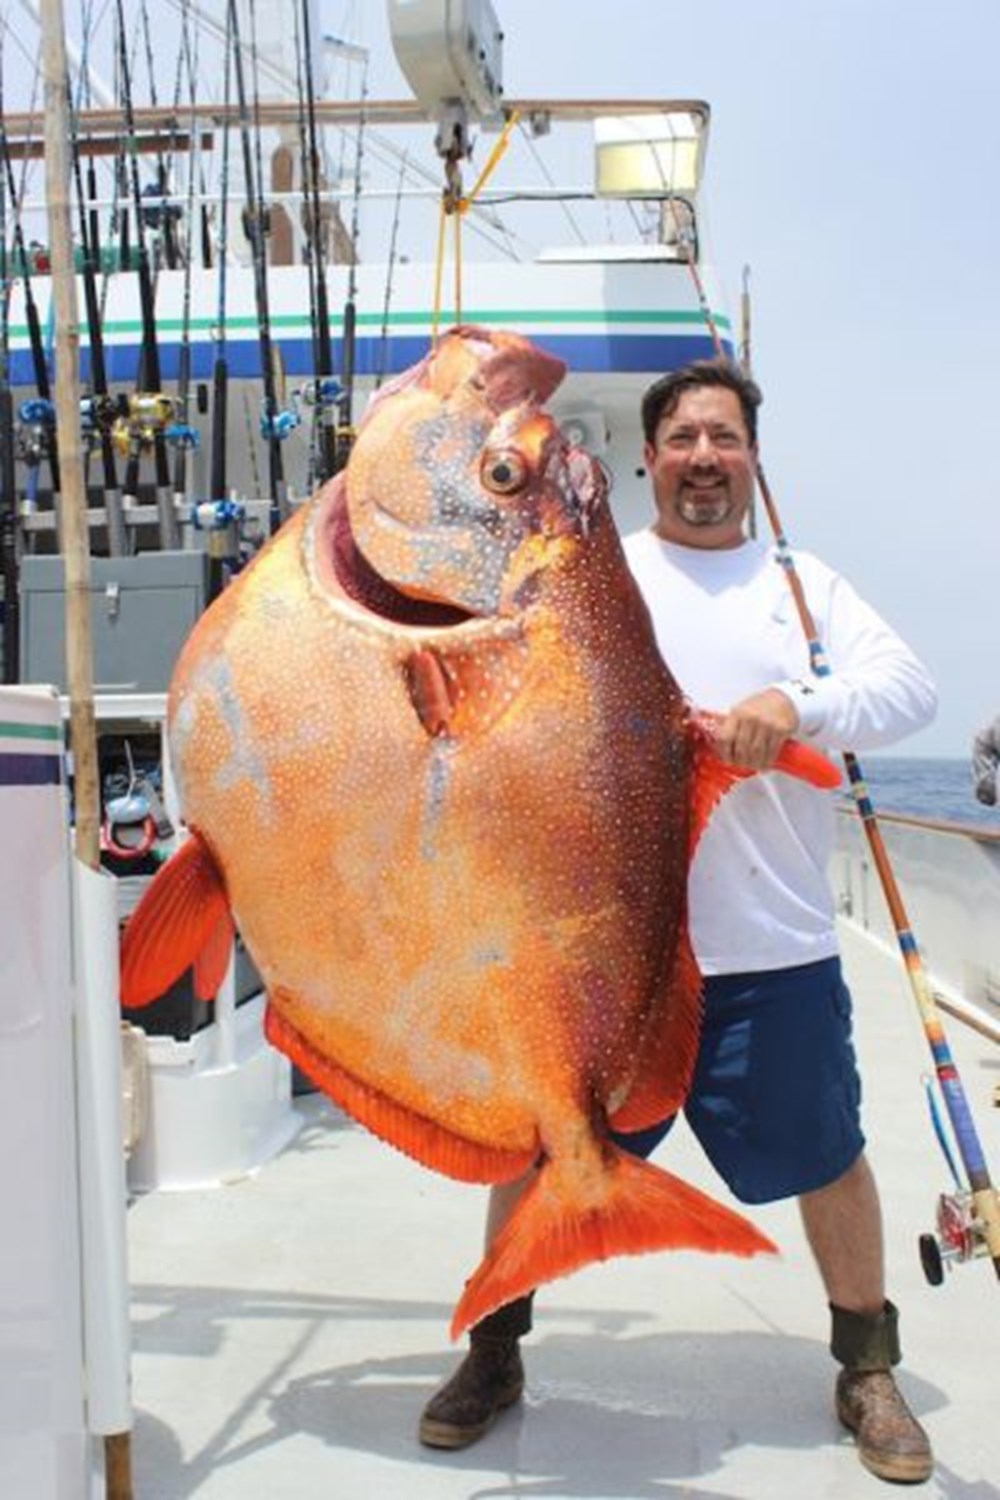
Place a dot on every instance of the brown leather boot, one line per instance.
(891, 1442)
(489, 1379)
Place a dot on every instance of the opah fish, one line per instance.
(434, 766)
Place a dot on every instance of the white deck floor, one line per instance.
(289, 1327)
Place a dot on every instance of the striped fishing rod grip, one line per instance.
(984, 1195)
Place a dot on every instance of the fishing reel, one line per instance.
(278, 424)
(182, 435)
(148, 416)
(100, 413)
(33, 439)
(161, 213)
(961, 1236)
(325, 392)
(216, 515)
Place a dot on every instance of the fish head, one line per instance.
(461, 486)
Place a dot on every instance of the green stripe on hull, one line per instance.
(9, 731)
(614, 318)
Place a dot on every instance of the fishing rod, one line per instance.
(275, 425)
(326, 390)
(180, 434)
(309, 390)
(345, 430)
(968, 1223)
(220, 516)
(164, 217)
(35, 438)
(98, 410)
(149, 409)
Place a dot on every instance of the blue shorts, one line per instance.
(775, 1099)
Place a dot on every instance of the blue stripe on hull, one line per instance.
(614, 353)
(30, 770)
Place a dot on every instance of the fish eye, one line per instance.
(504, 473)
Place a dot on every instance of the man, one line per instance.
(725, 619)
(986, 763)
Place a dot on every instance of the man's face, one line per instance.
(702, 464)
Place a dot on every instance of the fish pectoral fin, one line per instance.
(669, 1049)
(432, 690)
(552, 1232)
(183, 918)
(415, 1135)
(712, 778)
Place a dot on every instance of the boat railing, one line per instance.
(949, 877)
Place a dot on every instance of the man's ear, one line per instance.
(648, 456)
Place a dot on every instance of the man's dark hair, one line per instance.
(662, 397)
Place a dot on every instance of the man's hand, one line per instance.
(754, 730)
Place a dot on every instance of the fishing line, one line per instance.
(383, 348)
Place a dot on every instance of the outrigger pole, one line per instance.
(74, 529)
(967, 1229)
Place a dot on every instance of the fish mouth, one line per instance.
(374, 594)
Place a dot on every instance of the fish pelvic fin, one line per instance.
(713, 777)
(415, 1135)
(644, 1208)
(182, 919)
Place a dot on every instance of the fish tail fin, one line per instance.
(643, 1208)
(807, 764)
(182, 919)
(713, 777)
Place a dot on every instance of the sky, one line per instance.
(853, 165)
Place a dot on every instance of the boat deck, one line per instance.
(289, 1326)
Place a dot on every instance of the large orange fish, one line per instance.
(434, 766)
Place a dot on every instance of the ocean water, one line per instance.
(926, 788)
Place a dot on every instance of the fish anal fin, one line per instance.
(671, 1048)
(415, 1135)
(643, 1209)
(178, 922)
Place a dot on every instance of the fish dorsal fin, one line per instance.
(182, 919)
(712, 778)
(457, 690)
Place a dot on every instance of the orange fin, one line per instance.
(643, 1209)
(182, 919)
(415, 1135)
(431, 688)
(712, 778)
(669, 1051)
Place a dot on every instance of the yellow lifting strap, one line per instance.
(455, 203)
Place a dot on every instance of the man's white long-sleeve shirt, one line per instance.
(727, 627)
